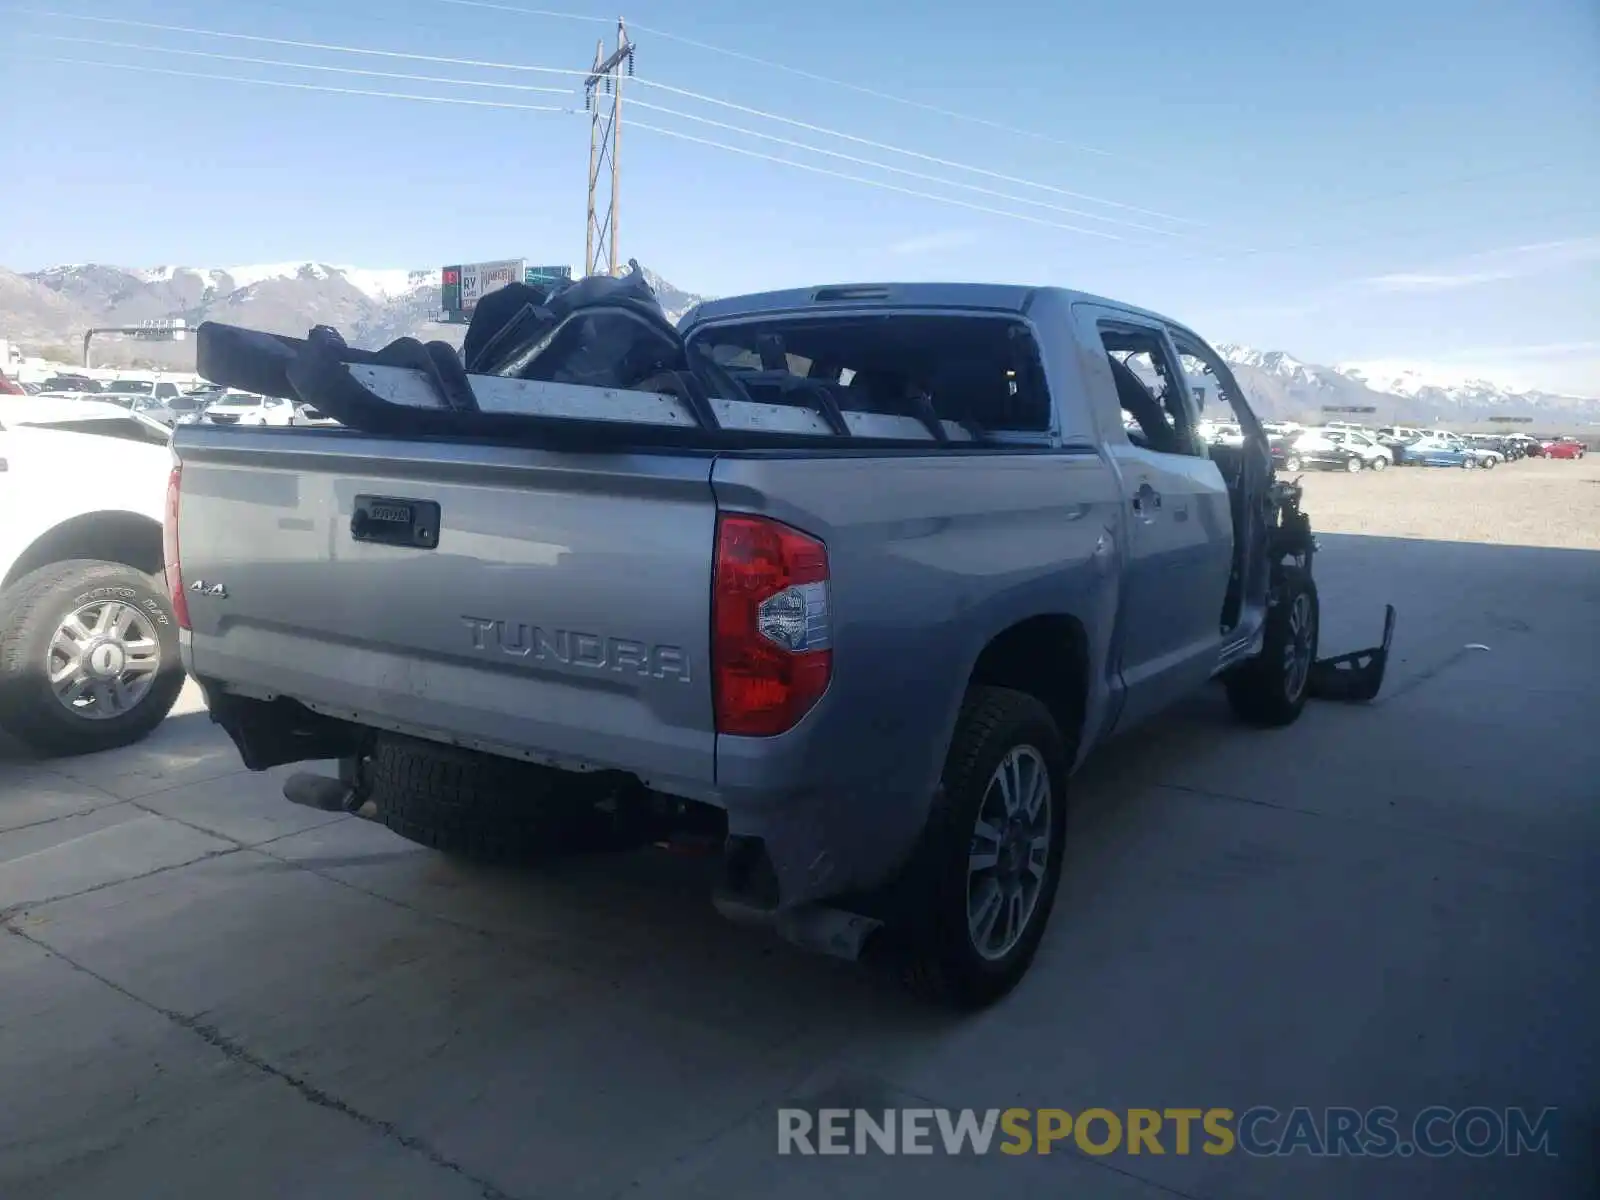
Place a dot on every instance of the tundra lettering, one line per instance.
(571, 648)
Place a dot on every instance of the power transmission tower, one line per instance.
(602, 97)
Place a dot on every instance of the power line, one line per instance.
(671, 133)
(297, 66)
(299, 45)
(867, 162)
(676, 91)
(519, 87)
(315, 87)
(771, 65)
(312, 87)
(877, 183)
(915, 154)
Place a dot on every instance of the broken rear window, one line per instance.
(977, 370)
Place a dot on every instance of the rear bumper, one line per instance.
(797, 833)
(789, 850)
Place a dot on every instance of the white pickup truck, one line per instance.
(88, 644)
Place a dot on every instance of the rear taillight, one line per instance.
(169, 549)
(770, 626)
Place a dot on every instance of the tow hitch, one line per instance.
(1354, 678)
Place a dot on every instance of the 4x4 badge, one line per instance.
(209, 589)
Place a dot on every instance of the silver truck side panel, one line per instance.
(930, 557)
(566, 609)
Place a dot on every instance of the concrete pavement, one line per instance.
(206, 991)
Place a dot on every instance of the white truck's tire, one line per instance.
(88, 657)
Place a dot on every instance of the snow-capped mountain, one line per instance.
(1280, 385)
(381, 284)
(1436, 384)
(48, 310)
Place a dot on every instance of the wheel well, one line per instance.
(119, 537)
(1047, 657)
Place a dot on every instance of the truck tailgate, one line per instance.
(564, 612)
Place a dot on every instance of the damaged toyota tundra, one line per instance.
(842, 584)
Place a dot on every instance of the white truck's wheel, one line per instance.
(1379, 464)
(88, 657)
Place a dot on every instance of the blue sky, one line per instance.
(1413, 180)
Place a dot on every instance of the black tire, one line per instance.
(31, 611)
(1354, 465)
(1293, 463)
(1469, 464)
(485, 808)
(1262, 691)
(938, 958)
(1380, 464)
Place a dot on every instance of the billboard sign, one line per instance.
(547, 275)
(160, 330)
(478, 279)
(462, 285)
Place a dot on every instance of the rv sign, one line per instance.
(461, 286)
(478, 279)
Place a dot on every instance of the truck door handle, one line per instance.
(1146, 500)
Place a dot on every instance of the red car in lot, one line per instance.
(1563, 447)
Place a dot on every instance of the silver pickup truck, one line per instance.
(852, 612)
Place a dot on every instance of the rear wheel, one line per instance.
(985, 878)
(485, 808)
(1379, 464)
(1353, 465)
(1469, 464)
(88, 657)
(1293, 463)
(1270, 690)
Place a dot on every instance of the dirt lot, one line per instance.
(205, 991)
(1534, 502)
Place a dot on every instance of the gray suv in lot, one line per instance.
(853, 611)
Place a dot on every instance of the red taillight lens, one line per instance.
(169, 549)
(770, 626)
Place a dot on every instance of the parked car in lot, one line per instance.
(1374, 455)
(1445, 452)
(88, 641)
(589, 615)
(245, 408)
(1564, 447)
(67, 383)
(1313, 450)
(305, 414)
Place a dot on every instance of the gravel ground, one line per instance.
(1534, 502)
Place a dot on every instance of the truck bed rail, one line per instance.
(412, 389)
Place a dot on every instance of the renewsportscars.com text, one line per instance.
(1381, 1132)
